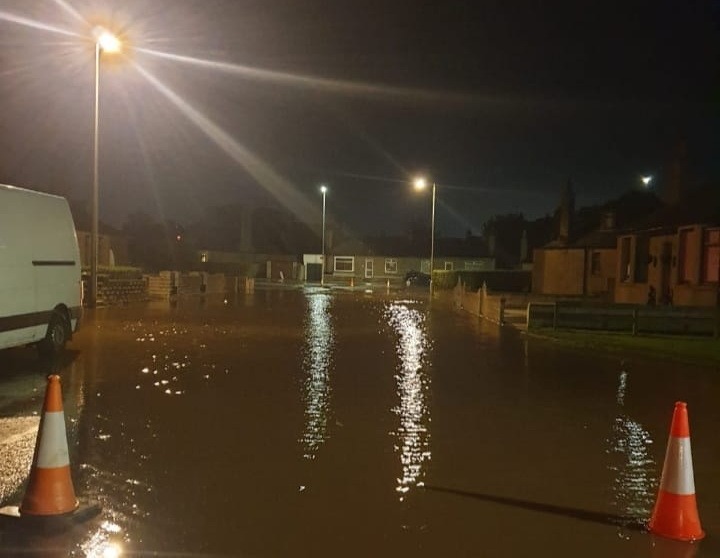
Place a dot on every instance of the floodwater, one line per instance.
(325, 423)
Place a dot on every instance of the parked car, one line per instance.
(417, 279)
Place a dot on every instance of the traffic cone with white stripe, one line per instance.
(675, 515)
(50, 489)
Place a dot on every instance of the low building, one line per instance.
(673, 258)
(383, 259)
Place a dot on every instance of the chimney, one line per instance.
(491, 243)
(608, 221)
(523, 247)
(676, 175)
(567, 208)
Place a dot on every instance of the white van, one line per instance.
(40, 270)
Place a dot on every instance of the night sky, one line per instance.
(499, 102)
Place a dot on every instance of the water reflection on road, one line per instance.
(319, 338)
(634, 470)
(413, 384)
(302, 423)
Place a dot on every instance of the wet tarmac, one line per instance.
(326, 423)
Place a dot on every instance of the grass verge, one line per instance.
(691, 350)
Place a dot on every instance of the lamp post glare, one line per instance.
(646, 180)
(323, 189)
(105, 42)
(420, 184)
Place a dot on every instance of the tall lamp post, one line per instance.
(104, 42)
(323, 189)
(421, 184)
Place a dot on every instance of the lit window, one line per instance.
(344, 264)
(448, 266)
(390, 266)
(203, 257)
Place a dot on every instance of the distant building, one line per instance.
(581, 260)
(112, 249)
(393, 257)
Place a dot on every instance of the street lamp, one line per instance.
(646, 180)
(420, 184)
(104, 42)
(323, 189)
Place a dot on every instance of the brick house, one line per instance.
(675, 254)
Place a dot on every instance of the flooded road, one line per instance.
(325, 423)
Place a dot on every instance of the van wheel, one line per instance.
(56, 337)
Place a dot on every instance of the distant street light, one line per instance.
(420, 184)
(323, 189)
(646, 180)
(105, 42)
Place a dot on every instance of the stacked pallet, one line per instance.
(189, 284)
(122, 291)
(161, 285)
(215, 283)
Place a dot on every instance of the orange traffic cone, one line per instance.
(675, 515)
(50, 490)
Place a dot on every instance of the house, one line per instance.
(674, 256)
(582, 260)
(390, 258)
(583, 267)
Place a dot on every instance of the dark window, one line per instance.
(711, 255)
(683, 257)
(344, 263)
(642, 259)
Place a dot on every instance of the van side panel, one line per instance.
(39, 264)
(17, 282)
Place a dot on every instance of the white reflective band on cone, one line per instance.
(677, 477)
(53, 451)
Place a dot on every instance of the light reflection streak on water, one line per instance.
(100, 543)
(318, 357)
(412, 386)
(634, 470)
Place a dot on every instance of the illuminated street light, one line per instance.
(324, 190)
(420, 184)
(105, 42)
(646, 180)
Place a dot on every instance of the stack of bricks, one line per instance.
(122, 291)
(162, 285)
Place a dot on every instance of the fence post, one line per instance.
(527, 316)
(634, 321)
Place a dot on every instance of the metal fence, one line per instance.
(624, 318)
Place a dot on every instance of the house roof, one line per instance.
(468, 247)
(701, 205)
